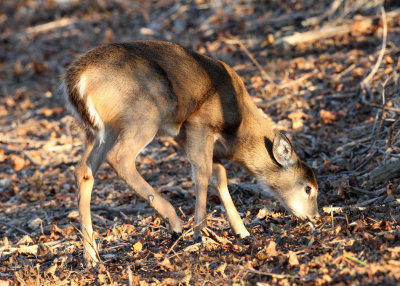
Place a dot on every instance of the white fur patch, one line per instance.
(94, 116)
(81, 86)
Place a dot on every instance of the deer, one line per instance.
(126, 94)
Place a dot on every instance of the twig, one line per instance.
(298, 80)
(90, 243)
(356, 260)
(275, 275)
(59, 23)
(397, 110)
(382, 113)
(14, 227)
(276, 101)
(179, 238)
(365, 161)
(350, 144)
(252, 58)
(317, 19)
(341, 74)
(366, 80)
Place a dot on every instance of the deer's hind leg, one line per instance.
(93, 156)
(122, 158)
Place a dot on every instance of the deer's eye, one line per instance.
(307, 190)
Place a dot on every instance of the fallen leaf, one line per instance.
(271, 248)
(297, 118)
(26, 239)
(292, 259)
(137, 247)
(166, 263)
(327, 117)
(52, 269)
(17, 162)
(262, 213)
(221, 269)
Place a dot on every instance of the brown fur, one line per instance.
(129, 93)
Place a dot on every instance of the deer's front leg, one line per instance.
(200, 145)
(222, 188)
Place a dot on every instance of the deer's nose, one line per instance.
(314, 218)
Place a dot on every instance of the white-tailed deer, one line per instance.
(124, 95)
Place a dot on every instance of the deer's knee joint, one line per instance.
(83, 174)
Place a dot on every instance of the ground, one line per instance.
(327, 72)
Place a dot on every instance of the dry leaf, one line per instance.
(292, 259)
(327, 117)
(262, 213)
(137, 247)
(261, 256)
(221, 269)
(18, 163)
(186, 279)
(167, 264)
(3, 110)
(271, 248)
(52, 269)
(26, 239)
(297, 118)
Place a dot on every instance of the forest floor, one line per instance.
(327, 72)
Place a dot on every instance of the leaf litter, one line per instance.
(306, 78)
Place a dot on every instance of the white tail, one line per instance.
(126, 94)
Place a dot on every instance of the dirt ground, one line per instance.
(327, 72)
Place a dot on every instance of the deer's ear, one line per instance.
(283, 151)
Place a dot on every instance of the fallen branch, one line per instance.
(385, 173)
(275, 275)
(359, 206)
(366, 80)
(331, 31)
(14, 227)
(323, 33)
